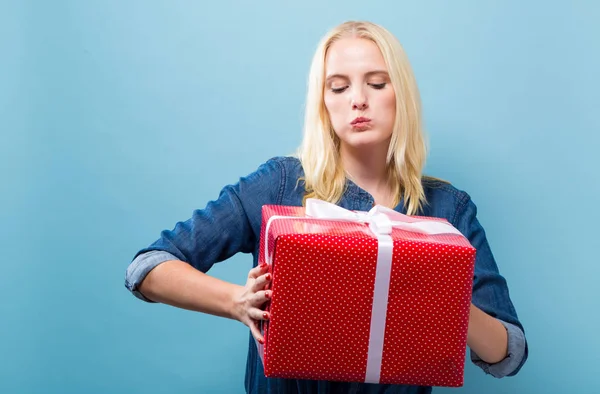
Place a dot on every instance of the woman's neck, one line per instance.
(367, 168)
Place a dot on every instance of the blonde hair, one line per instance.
(324, 176)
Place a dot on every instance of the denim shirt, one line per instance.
(232, 224)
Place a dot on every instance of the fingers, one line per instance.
(257, 295)
(257, 316)
(260, 297)
(262, 282)
(258, 271)
(256, 332)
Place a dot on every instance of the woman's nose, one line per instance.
(359, 105)
(359, 101)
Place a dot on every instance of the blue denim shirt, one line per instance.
(231, 224)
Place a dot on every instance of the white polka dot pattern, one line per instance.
(323, 285)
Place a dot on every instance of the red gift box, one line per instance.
(375, 297)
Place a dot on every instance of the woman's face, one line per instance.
(359, 96)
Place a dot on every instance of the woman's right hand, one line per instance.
(249, 300)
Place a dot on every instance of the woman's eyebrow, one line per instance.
(368, 74)
(382, 73)
(336, 76)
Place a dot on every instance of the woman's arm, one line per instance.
(495, 334)
(486, 336)
(173, 269)
(178, 284)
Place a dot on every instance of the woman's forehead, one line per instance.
(352, 55)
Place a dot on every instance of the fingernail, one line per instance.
(268, 294)
(263, 265)
(268, 276)
(261, 341)
(266, 316)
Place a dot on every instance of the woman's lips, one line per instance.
(361, 123)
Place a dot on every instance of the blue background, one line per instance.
(118, 119)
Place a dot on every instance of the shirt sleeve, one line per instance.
(490, 293)
(516, 353)
(215, 233)
(140, 267)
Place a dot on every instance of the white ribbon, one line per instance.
(381, 221)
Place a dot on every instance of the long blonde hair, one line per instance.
(324, 176)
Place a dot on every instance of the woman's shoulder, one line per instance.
(441, 186)
(274, 175)
(442, 196)
(288, 167)
(276, 166)
(286, 162)
(278, 179)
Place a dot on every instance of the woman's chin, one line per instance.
(366, 140)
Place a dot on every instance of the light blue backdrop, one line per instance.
(118, 119)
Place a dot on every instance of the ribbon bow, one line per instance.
(381, 220)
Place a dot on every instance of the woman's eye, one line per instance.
(338, 90)
(378, 85)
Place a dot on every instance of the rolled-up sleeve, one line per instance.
(141, 266)
(516, 353)
(491, 293)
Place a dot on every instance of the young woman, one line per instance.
(363, 145)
